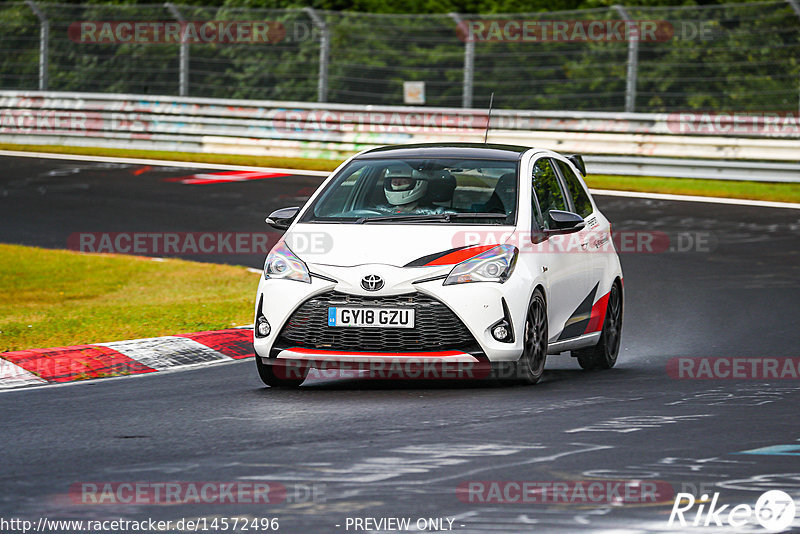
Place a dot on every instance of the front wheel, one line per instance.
(530, 367)
(604, 354)
(275, 379)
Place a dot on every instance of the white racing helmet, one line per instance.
(398, 195)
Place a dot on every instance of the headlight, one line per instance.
(283, 264)
(494, 265)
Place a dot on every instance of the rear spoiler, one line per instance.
(577, 160)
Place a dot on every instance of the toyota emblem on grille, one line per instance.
(372, 282)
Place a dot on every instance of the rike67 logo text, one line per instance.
(774, 510)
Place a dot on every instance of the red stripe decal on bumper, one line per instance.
(437, 354)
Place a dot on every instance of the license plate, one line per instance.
(371, 317)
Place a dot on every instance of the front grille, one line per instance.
(435, 326)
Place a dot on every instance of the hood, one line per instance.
(409, 245)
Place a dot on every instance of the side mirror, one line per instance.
(281, 219)
(564, 222)
(577, 160)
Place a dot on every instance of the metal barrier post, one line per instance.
(324, 54)
(44, 39)
(796, 8)
(183, 76)
(469, 63)
(633, 62)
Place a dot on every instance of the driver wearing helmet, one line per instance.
(404, 188)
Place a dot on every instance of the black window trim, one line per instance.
(564, 187)
(561, 183)
(580, 184)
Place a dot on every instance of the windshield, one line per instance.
(435, 190)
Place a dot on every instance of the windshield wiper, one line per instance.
(446, 217)
(477, 215)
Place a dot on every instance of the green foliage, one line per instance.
(725, 57)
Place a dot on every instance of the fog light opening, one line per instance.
(262, 327)
(501, 331)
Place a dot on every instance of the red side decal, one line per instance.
(460, 255)
(80, 362)
(236, 343)
(598, 315)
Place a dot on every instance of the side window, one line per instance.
(583, 206)
(547, 190)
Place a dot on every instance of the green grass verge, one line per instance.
(779, 192)
(51, 298)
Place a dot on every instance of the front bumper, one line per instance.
(473, 309)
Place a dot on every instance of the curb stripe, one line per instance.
(236, 343)
(64, 364)
(37, 367)
(163, 353)
(225, 177)
(12, 376)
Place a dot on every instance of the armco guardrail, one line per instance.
(295, 129)
(693, 168)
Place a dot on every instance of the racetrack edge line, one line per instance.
(220, 166)
(695, 198)
(160, 162)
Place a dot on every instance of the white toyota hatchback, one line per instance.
(462, 254)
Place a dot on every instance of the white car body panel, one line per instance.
(339, 256)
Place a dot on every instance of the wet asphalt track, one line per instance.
(378, 449)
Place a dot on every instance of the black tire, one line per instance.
(272, 379)
(604, 354)
(530, 367)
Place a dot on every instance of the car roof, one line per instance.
(447, 150)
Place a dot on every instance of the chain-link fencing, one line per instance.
(734, 57)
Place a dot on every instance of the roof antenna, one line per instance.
(488, 122)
